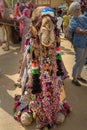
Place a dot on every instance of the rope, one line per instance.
(9, 23)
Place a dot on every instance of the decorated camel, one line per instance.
(43, 96)
(7, 22)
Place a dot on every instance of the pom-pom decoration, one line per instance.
(26, 118)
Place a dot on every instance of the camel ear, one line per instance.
(52, 37)
(52, 33)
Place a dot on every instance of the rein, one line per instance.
(13, 22)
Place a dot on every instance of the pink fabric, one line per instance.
(30, 5)
(21, 28)
(25, 12)
(16, 10)
(26, 42)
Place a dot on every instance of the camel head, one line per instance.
(43, 25)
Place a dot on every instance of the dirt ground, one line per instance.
(76, 96)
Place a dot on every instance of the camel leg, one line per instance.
(3, 34)
(2, 31)
(7, 29)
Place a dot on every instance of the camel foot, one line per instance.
(5, 48)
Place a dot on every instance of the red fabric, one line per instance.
(30, 5)
(16, 11)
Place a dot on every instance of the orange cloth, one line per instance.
(16, 11)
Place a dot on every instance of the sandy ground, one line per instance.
(76, 96)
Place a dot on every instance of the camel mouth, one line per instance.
(47, 44)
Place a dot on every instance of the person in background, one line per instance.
(85, 13)
(31, 7)
(16, 10)
(83, 4)
(65, 22)
(59, 19)
(78, 25)
(22, 6)
(25, 19)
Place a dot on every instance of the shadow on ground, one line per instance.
(9, 67)
(6, 100)
(76, 96)
(9, 62)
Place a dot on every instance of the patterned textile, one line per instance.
(41, 81)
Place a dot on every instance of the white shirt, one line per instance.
(59, 22)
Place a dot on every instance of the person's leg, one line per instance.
(83, 61)
(62, 27)
(6, 48)
(79, 77)
(8, 37)
(8, 28)
(4, 34)
(78, 66)
(64, 30)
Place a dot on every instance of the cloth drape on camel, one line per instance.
(42, 74)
